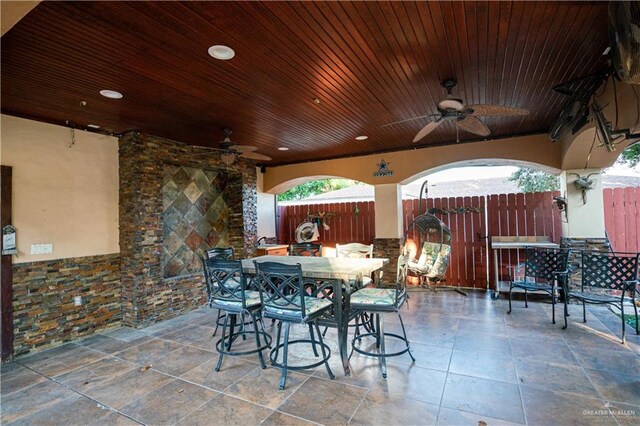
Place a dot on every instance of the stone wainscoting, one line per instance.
(43, 300)
(389, 248)
(575, 257)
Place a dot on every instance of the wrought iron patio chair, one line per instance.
(230, 293)
(224, 253)
(542, 270)
(377, 302)
(285, 298)
(356, 251)
(305, 249)
(606, 277)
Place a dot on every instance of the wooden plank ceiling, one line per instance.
(369, 63)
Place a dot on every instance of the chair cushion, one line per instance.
(528, 285)
(312, 305)
(429, 254)
(432, 263)
(374, 296)
(252, 298)
(594, 297)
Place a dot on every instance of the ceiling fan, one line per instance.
(464, 117)
(231, 151)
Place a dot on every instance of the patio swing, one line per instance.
(434, 238)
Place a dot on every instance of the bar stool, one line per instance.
(225, 253)
(230, 294)
(377, 302)
(285, 299)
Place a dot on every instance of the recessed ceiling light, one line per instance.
(111, 94)
(93, 126)
(224, 53)
(361, 138)
(283, 148)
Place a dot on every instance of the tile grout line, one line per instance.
(224, 391)
(518, 382)
(83, 395)
(294, 416)
(605, 401)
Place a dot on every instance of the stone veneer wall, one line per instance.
(391, 249)
(147, 296)
(577, 245)
(43, 306)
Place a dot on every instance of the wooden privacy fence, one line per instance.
(465, 216)
(473, 220)
(353, 222)
(512, 215)
(622, 218)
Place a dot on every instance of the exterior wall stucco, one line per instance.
(582, 150)
(406, 165)
(67, 196)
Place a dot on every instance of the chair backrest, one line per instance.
(281, 287)
(223, 279)
(354, 250)
(401, 278)
(544, 263)
(305, 249)
(607, 270)
(225, 253)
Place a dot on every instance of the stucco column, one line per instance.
(388, 208)
(266, 210)
(584, 219)
(389, 227)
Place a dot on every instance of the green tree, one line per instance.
(530, 180)
(631, 155)
(314, 187)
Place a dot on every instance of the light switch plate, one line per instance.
(41, 248)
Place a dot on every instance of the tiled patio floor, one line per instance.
(474, 363)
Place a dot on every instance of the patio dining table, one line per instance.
(335, 277)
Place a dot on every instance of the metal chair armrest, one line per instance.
(632, 286)
(563, 278)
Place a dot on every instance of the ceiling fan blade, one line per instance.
(255, 156)
(409, 119)
(427, 129)
(473, 125)
(243, 148)
(496, 110)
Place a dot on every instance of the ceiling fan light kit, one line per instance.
(231, 151)
(453, 109)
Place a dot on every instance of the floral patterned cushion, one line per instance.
(438, 261)
(374, 296)
(311, 304)
(429, 253)
(252, 297)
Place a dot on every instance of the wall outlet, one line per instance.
(77, 301)
(41, 248)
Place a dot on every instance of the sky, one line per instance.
(485, 172)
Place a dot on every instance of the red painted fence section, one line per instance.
(622, 218)
(512, 215)
(477, 219)
(353, 222)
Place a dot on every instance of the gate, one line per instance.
(517, 215)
